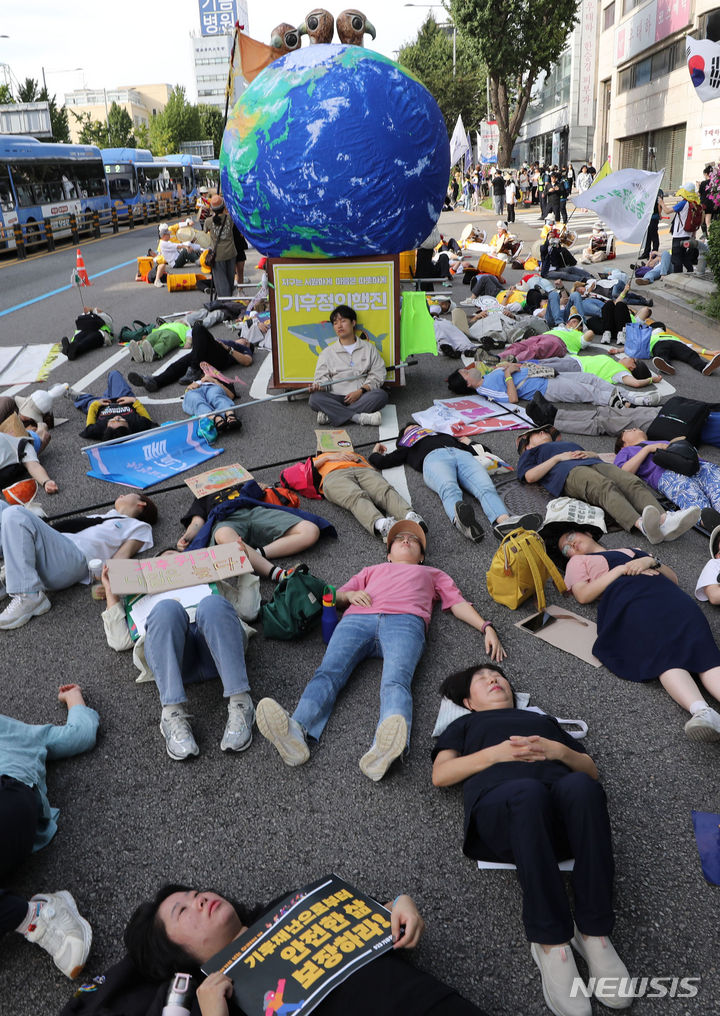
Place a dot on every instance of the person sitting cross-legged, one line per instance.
(532, 799)
(388, 611)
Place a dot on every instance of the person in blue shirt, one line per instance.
(29, 822)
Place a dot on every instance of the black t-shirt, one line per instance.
(415, 454)
(479, 730)
(498, 185)
(136, 421)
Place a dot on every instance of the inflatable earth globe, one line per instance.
(335, 151)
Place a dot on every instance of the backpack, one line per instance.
(680, 417)
(282, 496)
(137, 333)
(520, 568)
(694, 214)
(302, 477)
(296, 605)
(120, 991)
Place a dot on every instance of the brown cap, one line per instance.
(216, 201)
(407, 526)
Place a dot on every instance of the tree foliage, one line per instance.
(120, 127)
(212, 127)
(30, 91)
(517, 39)
(92, 132)
(429, 58)
(6, 96)
(178, 122)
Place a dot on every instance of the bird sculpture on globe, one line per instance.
(335, 151)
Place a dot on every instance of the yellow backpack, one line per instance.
(520, 568)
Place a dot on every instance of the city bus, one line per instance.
(135, 177)
(39, 180)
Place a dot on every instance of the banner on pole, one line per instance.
(458, 142)
(152, 456)
(625, 200)
(489, 138)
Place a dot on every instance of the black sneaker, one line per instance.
(541, 411)
(448, 350)
(190, 375)
(530, 521)
(466, 523)
(65, 346)
(143, 381)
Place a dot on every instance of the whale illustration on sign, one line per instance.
(321, 334)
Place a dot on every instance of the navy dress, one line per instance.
(647, 625)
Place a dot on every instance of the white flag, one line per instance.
(625, 200)
(703, 61)
(458, 142)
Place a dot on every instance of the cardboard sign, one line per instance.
(293, 956)
(216, 479)
(573, 634)
(158, 574)
(333, 441)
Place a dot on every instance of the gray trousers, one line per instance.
(603, 420)
(336, 410)
(623, 495)
(364, 492)
(36, 556)
(223, 274)
(570, 386)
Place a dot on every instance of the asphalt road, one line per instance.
(132, 819)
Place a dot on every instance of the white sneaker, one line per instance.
(414, 517)
(238, 729)
(369, 419)
(390, 742)
(606, 338)
(703, 726)
(650, 524)
(603, 962)
(282, 731)
(61, 931)
(621, 337)
(322, 418)
(135, 351)
(147, 351)
(559, 972)
(650, 399)
(23, 607)
(178, 734)
(383, 526)
(677, 523)
(158, 283)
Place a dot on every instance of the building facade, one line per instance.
(141, 102)
(648, 115)
(212, 49)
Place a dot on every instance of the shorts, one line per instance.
(258, 526)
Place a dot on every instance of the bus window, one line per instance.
(90, 178)
(23, 186)
(70, 191)
(46, 184)
(7, 201)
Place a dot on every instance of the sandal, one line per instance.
(220, 423)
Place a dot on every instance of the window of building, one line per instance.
(643, 72)
(630, 5)
(608, 16)
(656, 150)
(712, 25)
(652, 68)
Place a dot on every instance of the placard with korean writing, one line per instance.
(333, 441)
(305, 293)
(158, 574)
(213, 480)
(302, 949)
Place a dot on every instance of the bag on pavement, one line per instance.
(520, 568)
(296, 605)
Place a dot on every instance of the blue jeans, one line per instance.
(585, 305)
(117, 388)
(446, 470)
(397, 639)
(206, 399)
(180, 651)
(664, 268)
(37, 556)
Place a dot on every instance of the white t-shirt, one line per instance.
(103, 540)
(708, 577)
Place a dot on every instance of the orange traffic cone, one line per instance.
(81, 270)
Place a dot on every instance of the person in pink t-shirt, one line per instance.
(388, 611)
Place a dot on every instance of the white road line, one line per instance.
(85, 382)
(388, 429)
(259, 387)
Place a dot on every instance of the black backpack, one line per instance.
(120, 991)
(680, 417)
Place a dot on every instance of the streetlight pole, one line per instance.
(454, 65)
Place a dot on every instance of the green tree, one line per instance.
(92, 132)
(28, 91)
(178, 122)
(120, 128)
(430, 59)
(6, 96)
(517, 39)
(142, 136)
(58, 117)
(212, 126)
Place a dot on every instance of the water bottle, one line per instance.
(97, 589)
(180, 996)
(329, 618)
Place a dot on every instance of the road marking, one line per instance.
(62, 289)
(259, 387)
(388, 431)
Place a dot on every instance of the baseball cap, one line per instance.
(407, 526)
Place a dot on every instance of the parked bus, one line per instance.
(134, 176)
(39, 180)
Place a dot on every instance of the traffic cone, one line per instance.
(81, 270)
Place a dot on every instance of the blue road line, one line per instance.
(62, 289)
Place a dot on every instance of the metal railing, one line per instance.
(71, 229)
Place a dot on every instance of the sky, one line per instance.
(85, 45)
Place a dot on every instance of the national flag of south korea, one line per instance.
(703, 60)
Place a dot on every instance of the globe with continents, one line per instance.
(335, 151)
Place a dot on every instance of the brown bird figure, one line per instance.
(352, 26)
(285, 39)
(319, 26)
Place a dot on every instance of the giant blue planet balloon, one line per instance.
(335, 151)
